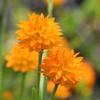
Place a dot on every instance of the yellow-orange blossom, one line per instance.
(22, 60)
(62, 66)
(38, 32)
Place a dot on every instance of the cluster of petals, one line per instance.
(22, 60)
(38, 32)
(62, 66)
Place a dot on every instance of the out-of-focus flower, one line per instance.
(88, 76)
(7, 95)
(39, 32)
(56, 2)
(62, 91)
(22, 59)
(62, 66)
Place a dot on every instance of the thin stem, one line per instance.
(22, 86)
(38, 74)
(4, 17)
(34, 93)
(44, 92)
(2, 31)
(54, 92)
(50, 7)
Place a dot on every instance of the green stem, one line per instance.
(22, 86)
(38, 74)
(50, 7)
(2, 34)
(34, 93)
(54, 92)
(4, 17)
(44, 92)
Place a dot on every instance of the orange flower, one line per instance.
(7, 95)
(56, 2)
(21, 59)
(39, 32)
(62, 91)
(62, 66)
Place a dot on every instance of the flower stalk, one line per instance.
(38, 74)
(2, 31)
(50, 7)
(44, 92)
(34, 93)
(54, 92)
(22, 86)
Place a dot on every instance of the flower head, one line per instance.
(62, 91)
(22, 59)
(56, 2)
(62, 66)
(39, 32)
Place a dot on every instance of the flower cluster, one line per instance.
(22, 59)
(38, 33)
(62, 65)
